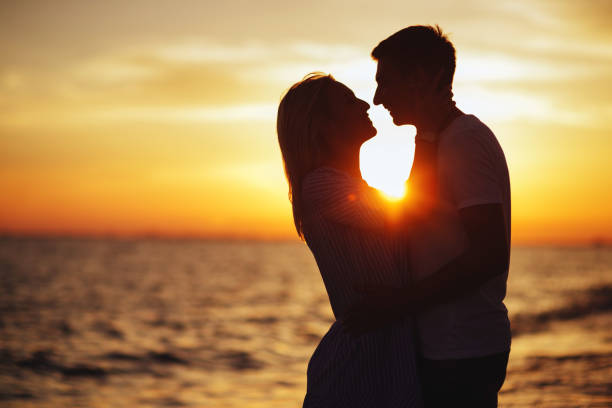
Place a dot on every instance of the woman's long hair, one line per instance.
(303, 115)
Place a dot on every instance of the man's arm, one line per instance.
(487, 256)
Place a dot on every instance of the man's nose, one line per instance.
(376, 99)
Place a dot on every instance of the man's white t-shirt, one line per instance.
(472, 170)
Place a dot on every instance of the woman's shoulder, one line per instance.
(325, 178)
(342, 198)
(327, 173)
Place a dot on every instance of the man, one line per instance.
(460, 256)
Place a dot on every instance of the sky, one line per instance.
(158, 117)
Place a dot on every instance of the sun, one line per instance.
(384, 167)
(393, 191)
(386, 160)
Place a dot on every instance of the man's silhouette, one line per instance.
(460, 257)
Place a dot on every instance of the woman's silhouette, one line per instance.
(351, 232)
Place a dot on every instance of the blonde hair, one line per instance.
(303, 114)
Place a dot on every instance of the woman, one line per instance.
(321, 126)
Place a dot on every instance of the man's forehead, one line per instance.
(387, 68)
(392, 72)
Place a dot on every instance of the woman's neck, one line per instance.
(348, 162)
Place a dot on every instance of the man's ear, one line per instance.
(431, 79)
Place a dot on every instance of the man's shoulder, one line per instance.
(465, 128)
(467, 134)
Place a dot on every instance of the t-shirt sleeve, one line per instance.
(467, 169)
(343, 199)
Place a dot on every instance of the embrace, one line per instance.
(416, 287)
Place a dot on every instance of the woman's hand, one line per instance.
(380, 307)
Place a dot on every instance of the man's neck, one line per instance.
(439, 120)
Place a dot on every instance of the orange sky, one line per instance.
(156, 117)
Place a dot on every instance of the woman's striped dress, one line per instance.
(344, 227)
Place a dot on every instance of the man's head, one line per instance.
(408, 61)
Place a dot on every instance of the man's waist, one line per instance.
(464, 342)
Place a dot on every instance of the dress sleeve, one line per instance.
(343, 199)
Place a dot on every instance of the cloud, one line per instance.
(204, 80)
(511, 104)
(206, 51)
(11, 80)
(116, 69)
(480, 67)
(187, 80)
(190, 114)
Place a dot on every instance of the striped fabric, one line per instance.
(344, 228)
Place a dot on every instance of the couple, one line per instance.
(417, 288)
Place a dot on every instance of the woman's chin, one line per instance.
(365, 132)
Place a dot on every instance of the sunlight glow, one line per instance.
(393, 191)
(383, 174)
(386, 160)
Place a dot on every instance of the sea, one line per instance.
(203, 323)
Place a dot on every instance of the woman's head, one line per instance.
(318, 119)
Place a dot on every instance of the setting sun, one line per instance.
(386, 159)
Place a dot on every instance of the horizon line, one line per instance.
(595, 242)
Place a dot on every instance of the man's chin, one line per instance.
(399, 121)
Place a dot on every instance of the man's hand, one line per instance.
(381, 307)
(485, 258)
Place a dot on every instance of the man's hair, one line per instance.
(419, 46)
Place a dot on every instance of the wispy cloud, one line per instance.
(479, 67)
(211, 81)
(207, 51)
(511, 105)
(190, 114)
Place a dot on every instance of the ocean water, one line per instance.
(171, 323)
